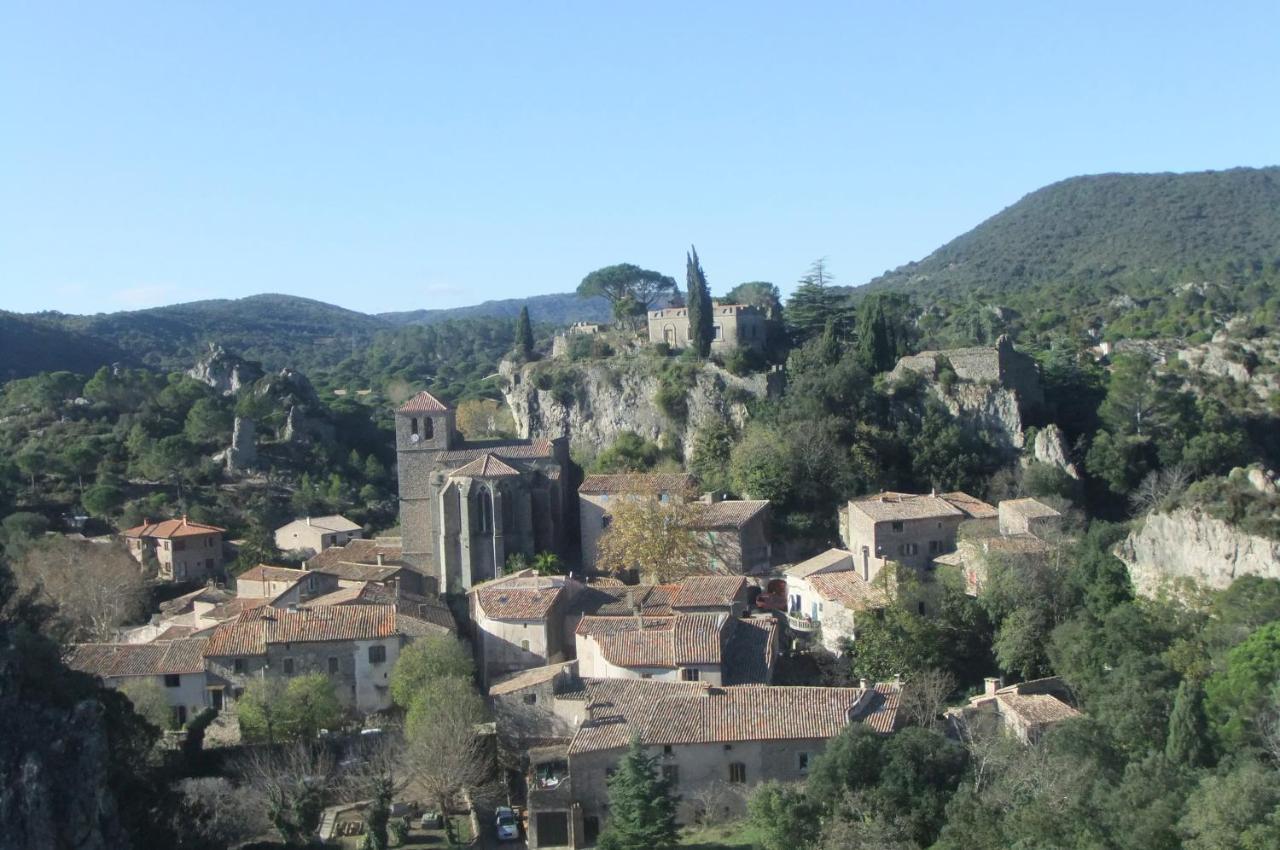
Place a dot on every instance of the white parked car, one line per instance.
(508, 826)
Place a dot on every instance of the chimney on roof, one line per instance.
(991, 685)
(146, 521)
(591, 712)
(308, 521)
(184, 519)
(864, 683)
(379, 559)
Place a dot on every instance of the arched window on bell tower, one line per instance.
(484, 511)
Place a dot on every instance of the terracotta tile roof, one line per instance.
(729, 514)
(268, 572)
(971, 505)
(654, 600)
(750, 651)
(1036, 708)
(521, 596)
(186, 602)
(680, 640)
(831, 560)
(170, 528)
(235, 607)
(902, 506)
(696, 638)
(635, 482)
(705, 591)
(506, 449)
(361, 551)
(529, 678)
(158, 658)
(252, 631)
(688, 713)
(355, 571)
(177, 632)
(1029, 508)
(485, 466)
(333, 522)
(848, 589)
(423, 402)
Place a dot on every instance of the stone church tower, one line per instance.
(466, 506)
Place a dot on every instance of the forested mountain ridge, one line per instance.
(561, 308)
(1123, 254)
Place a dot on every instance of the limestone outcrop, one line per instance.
(617, 395)
(242, 454)
(1050, 448)
(225, 372)
(1188, 543)
(991, 390)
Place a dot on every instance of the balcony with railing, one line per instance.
(802, 623)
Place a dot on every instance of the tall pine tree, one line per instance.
(642, 809)
(524, 335)
(701, 325)
(813, 304)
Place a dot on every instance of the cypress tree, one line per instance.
(524, 335)
(701, 326)
(882, 334)
(1188, 729)
(642, 810)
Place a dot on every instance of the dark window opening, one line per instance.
(172, 680)
(737, 772)
(377, 654)
(530, 699)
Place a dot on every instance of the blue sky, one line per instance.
(387, 156)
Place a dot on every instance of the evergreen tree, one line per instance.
(882, 334)
(1188, 728)
(701, 328)
(814, 303)
(642, 809)
(524, 335)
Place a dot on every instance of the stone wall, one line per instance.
(1189, 544)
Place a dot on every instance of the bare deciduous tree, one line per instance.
(220, 813)
(447, 753)
(96, 587)
(295, 784)
(924, 697)
(718, 802)
(1159, 487)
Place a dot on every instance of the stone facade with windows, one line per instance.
(466, 506)
(185, 550)
(905, 528)
(733, 326)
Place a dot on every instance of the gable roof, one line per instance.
(349, 571)
(170, 528)
(486, 466)
(1028, 508)
(520, 596)
(252, 631)
(653, 600)
(750, 651)
(636, 482)
(661, 713)
(1036, 709)
(669, 642)
(706, 591)
(425, 608)
(902, 506)
(830, 561)
(733, 513)
(849, 590)
(359, 551)
(423, 402)
(158, 658)
(974, 507)
(528, 678)
(333, 522)
(268, 572)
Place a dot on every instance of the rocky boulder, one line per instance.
(242, 454)
(1188, 543)
(1050, 448)
(225, 372)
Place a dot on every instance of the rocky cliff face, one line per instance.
(611, 397)
(225, 372)
(54, 790)
(1190, 544)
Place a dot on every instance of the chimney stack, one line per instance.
(992, 685)
(308, 522)
(379, 559)
(865, 684)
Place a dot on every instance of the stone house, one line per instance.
(703, 736)
(1028, 516)
(1026, 710)
(518, 622)
(177, 666)
(827, 594)
(355, 646)
(1001, 364)
(905, 528)
(525, 707)
(310, 535)
(736, 531)
(283, 586)
(185, 550)
(598, 493)
(716, 648)
(466, 505)
(973, 556)
(732, 326)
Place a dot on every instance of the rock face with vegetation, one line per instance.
(593, 402)
(991, 390)
(1189, 543)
